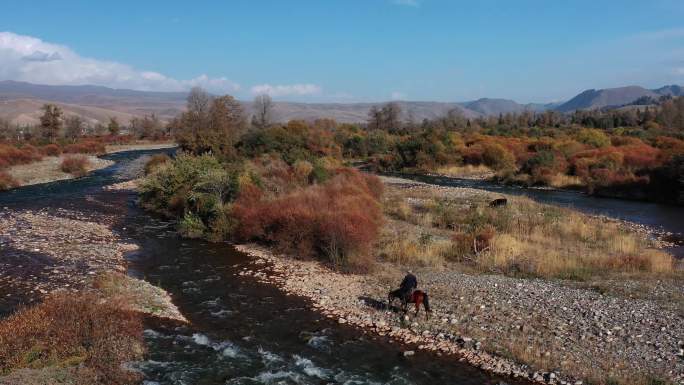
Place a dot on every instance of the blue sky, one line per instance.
(364, 50)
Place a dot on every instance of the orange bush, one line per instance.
(76, 165)
(50, 150)
(639, 156)
(669, 148)
(70, 329)
(85, 147)
(11, 155)
(339, 219)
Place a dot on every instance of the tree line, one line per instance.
(54, 125)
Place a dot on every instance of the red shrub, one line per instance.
(606, 177)
(50, 150)
(86, 147)
(337, 220)
(669, 148)
(76, 165)
(473, 155)
(11, 155)
(80, 329)
(639, 156)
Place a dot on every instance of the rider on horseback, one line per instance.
(408, 285)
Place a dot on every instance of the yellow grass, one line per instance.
(466, 171)
(523, 238)
(407, 248)
(565, 181)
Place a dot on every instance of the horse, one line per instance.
(418, 297)
(499, 202)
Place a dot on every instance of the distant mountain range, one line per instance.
(615, 97)
(20, 102)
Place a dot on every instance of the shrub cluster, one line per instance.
(338, 220)
(67, 331)
(12, 155)
(314, 210)
(156, 161)
(85, 147)
(76, 165)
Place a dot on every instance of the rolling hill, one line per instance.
(20, 102)
(97, 103)
(616, 97)
(28, 111)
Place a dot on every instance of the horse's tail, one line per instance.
(426, 302)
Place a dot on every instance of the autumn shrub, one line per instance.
(497, 157)
(69, 330)
(593, 137)
(51, 150)
(7, 181)
(473, 155)
(338, 220)
(85, 147)
(156, 161)
(11, 155)
(639, 156)
(669, 147)
(76, 165)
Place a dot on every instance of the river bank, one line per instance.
(62, 257)
(547, 330)
(49, 169)
(44, 252)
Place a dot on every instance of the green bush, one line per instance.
(195, 189)
(593, 137)
(191, 226)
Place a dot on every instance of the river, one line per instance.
(241, 331)
(246, 332)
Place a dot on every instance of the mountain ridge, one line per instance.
(96, 103)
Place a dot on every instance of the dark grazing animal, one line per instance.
(499, 202)
(418, 297)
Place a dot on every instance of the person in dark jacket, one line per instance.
(408, 285)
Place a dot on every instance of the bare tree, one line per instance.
(199, 101)
(374, 118)
(51, 122)
(73, 127)
(113, 126)
(263, 106)
(392, 115)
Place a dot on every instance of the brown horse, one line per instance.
(418, 297)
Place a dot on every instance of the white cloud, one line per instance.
(409, 3)
(30, 59)
(42, 56)
(286, 90)
(396, 95)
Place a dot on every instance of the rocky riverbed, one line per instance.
(482, 318)
(49, 170)
(42, 251)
